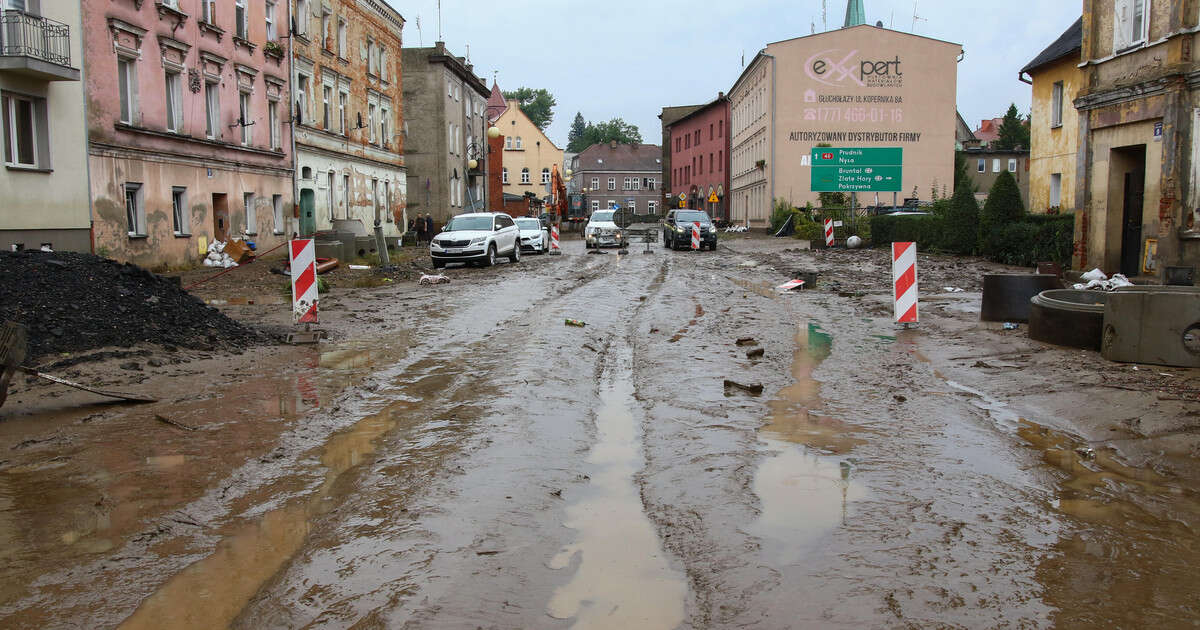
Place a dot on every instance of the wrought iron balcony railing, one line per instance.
(25, 35)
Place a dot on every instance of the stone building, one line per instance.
(1137, 197)
(187, 125)
(698, 164)
(855, 87)
(445, 148)
(1054, 123)
(625, 175)
(529, 156)
(348, 113)
(984, 165)
(44, 179)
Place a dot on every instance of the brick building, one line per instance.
(699, 148)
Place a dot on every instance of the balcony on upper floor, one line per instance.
(36, 47)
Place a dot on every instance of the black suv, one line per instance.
(677, 229)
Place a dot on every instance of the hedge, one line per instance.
(1035, 238)
(924, 230)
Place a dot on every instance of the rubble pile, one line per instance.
(217, 257)
(73, 302)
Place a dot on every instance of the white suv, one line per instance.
(601, 230)
(476, 237)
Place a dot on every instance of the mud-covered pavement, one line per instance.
(457, 457)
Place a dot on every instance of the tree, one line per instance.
(960, 231)
(1003, 207)
(602, 133)
(575, 135)
(1014, 131)
(960, 171)
(537, 104)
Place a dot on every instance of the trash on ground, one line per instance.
(217, 257)
(755, 353)
(753, 389)
(952, 290)
(575, 322)
(326, 264)
(747, 341)
(791, 285)
(1010, 326)
(588, 346)
(1105, 284)
(427, 280)
(1094, 274)
(854, 242)
(238, 251)
(359, 267)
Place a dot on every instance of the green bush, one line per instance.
(806, 228)
(1035, 238)
(1002, 208)
(779, 214)
(924, 230)
(960, 228)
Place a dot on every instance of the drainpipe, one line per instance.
(87, 162)
(772, 165)
(292, 125)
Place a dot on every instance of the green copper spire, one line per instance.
(855, 14)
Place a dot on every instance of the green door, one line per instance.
(308, 205)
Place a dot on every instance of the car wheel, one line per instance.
(438, 264)
(515, 256)
(491, 256)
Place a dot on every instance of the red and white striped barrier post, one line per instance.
(695, 235)
(904, 281)
(828, 232)
(302, 255)
(555, 248)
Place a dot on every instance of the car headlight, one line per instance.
(478, 241)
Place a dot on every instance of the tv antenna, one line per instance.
(916, 18)
(440, 18)
(824, 17)
(420, 39)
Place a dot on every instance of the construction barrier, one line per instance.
(695, 235)
(791, 284)
(303, 259)
(555, 248)
(904, 281)
(828, 232)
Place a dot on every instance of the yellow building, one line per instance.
(529, 156)
(1054, 122)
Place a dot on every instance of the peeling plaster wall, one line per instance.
(361, 202)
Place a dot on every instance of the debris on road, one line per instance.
(217, 257)
(326, 264)
(428, 280)
(575, 322)
(791, 285)
(101, 392)
(162, 418)
(1010, 326)
(359, 267)
(747, 341)
(755, 353)
(754, 389)
(952, 290)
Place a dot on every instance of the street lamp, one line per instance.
(493, 132)
(472, 164)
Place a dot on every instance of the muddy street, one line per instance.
(455, 456)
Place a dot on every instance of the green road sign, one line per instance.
(849, 156)
(856, 178)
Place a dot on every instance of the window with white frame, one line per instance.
(371, 56)
(995, 165)
(24, 131)
(384, 116)
(273, 123)
(1131, 23)
(383, 75)
(545, 176)
(244, 118)
(241, 19)
(326, 106)
(450, 138)
(650, 183)
(1055, 190)
(508, 142)
(371, 121)
(631, 204)
(595, 183)
(982, 167)
(127, 85)
(301, 17)
(341, 38)
(612, 183)
(135, 211)
(302, 89)
(625, 185)
(329, 196)
(208, 11)
(1056, 105)
(277, 212)
(174, 102)
(518, 145)
(525, 175)
(272, 35)
(343, 98)
(636, 183)
(179, 210)
(1012, 165)
(251, 214)
(326, 33)
(652, 207)
(504, 175)
(212, 110)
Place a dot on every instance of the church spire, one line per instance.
(855, 14)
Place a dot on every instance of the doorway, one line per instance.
(1128, 168)
(220, 207)
(308, 219)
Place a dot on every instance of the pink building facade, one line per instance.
(189, 126)
(699, 160)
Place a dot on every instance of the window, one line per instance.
(371, 122)
(1012, 165)
(710, 131)
(244, 118)
(384, 116)
(302, 97)
(1055, 190)
(595, 183)
(982, 165)
(697, 133)
(241, 25)
(996, 165)
(301, 17)
(687, 141)
(343, 98)
(174, 102)
(277, 212)
(212, 110)
(370, 56)
(346, 194)
(329, 195)
(625, 185)
(518, 142)
(387, 203)
(595, 205)
(1130, 24)
(635, 183)
(179, 210)
(383, 64)
(341, 37)
(450, 138)
(208, 11)
(24, 131)
(631, 204)
(1056, 105)
(652, 207)
(135, 213)
(326, 96)
(326, 36)
(720, 161)
(720, 128)
(375, 197)
(651, 183)
(504, 175)
(545, 176)
(612, 183)
(508, 142)
(251, 218)
(272, 35)
(676, 145)
(127, 84)
(273, 123)
(525, 176)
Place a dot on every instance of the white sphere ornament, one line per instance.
(854, 242)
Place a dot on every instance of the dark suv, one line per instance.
(677, 229)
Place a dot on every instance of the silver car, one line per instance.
(534, 237)
(476, 237)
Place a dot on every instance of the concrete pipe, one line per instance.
(1153, 324)
(1068, 317)
(1006, 295)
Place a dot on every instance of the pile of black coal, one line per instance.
(77, 302)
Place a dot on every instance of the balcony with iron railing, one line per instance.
(35, 46)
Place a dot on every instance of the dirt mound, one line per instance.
(75, 302)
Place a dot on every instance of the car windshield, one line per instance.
(483, 223)
(692, 217)
(529, 224)
(602, 215)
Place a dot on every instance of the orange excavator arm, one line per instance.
(559, 207)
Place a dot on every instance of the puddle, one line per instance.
(804, 494)
(623, 578)
(243, 301)
(211, 592)
(764, 289)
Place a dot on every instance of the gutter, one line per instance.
(87, 135)
(292, 125)
(774, 133)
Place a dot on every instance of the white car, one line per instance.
(534, 237)
(600, 230)
(476, 237)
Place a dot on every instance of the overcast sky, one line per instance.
(630, 58)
